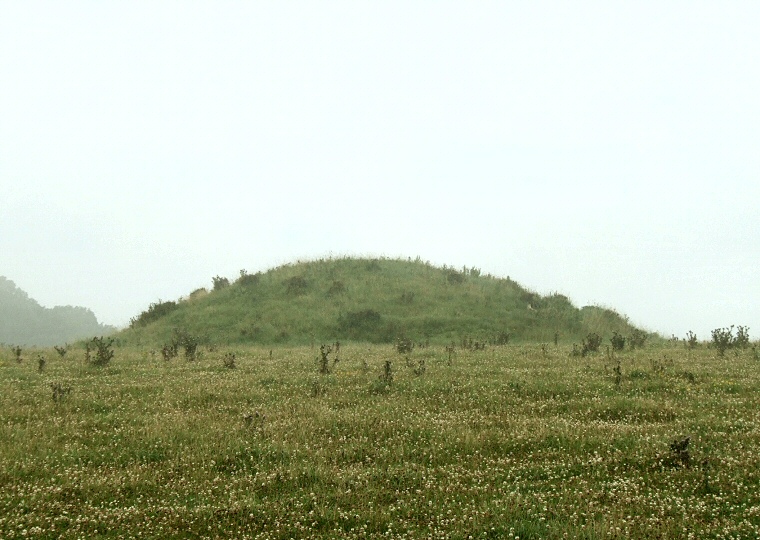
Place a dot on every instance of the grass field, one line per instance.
(514, 441)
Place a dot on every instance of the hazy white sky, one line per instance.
(606, 150)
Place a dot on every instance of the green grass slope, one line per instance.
(372, 300)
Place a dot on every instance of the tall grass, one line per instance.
(516, 441)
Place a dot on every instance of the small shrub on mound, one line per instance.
(220, 283)
(296, 286)
(248, 280)
(154, 312)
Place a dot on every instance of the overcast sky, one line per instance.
(609, 151)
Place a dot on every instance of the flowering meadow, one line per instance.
(517, 441)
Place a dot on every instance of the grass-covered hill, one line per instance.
(24, 322)
(372, 300)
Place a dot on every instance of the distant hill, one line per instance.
(372, 300)
(24, 322)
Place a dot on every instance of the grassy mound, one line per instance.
(372, 300)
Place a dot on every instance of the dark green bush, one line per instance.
(637, 339)
(723, 339)
(337, 287)
(618, 342)
(454, 277)
(103, 351)
(296, 285)
(248, 280)
(154, 312)
(360, 323)
(220, 282)
(591, 343)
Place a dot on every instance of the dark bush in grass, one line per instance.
(591, 343)
(454, 277)
(296, 286)
(103, 351)
(618, 342)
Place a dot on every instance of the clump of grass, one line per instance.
(420, 369)
(318, 389)
(386, 377)
(170, 350)
(228, 360)
(679, 453)
(41, 361)
(59, 391)
(324, 359)
(450, 350)
(404, 345)
(618, 371)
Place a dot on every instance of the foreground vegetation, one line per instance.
(513, 441)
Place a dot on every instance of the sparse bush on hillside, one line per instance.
(16, 353)
(248, 280)
(61, 350)
(154, 312)
(359, 323)
(453, 277)
(637, 339)
(407, 297)
(220, 282)
(41, 361)
(337, 287)
(296, 285)
(198, 293)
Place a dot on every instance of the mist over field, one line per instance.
(605, 152)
